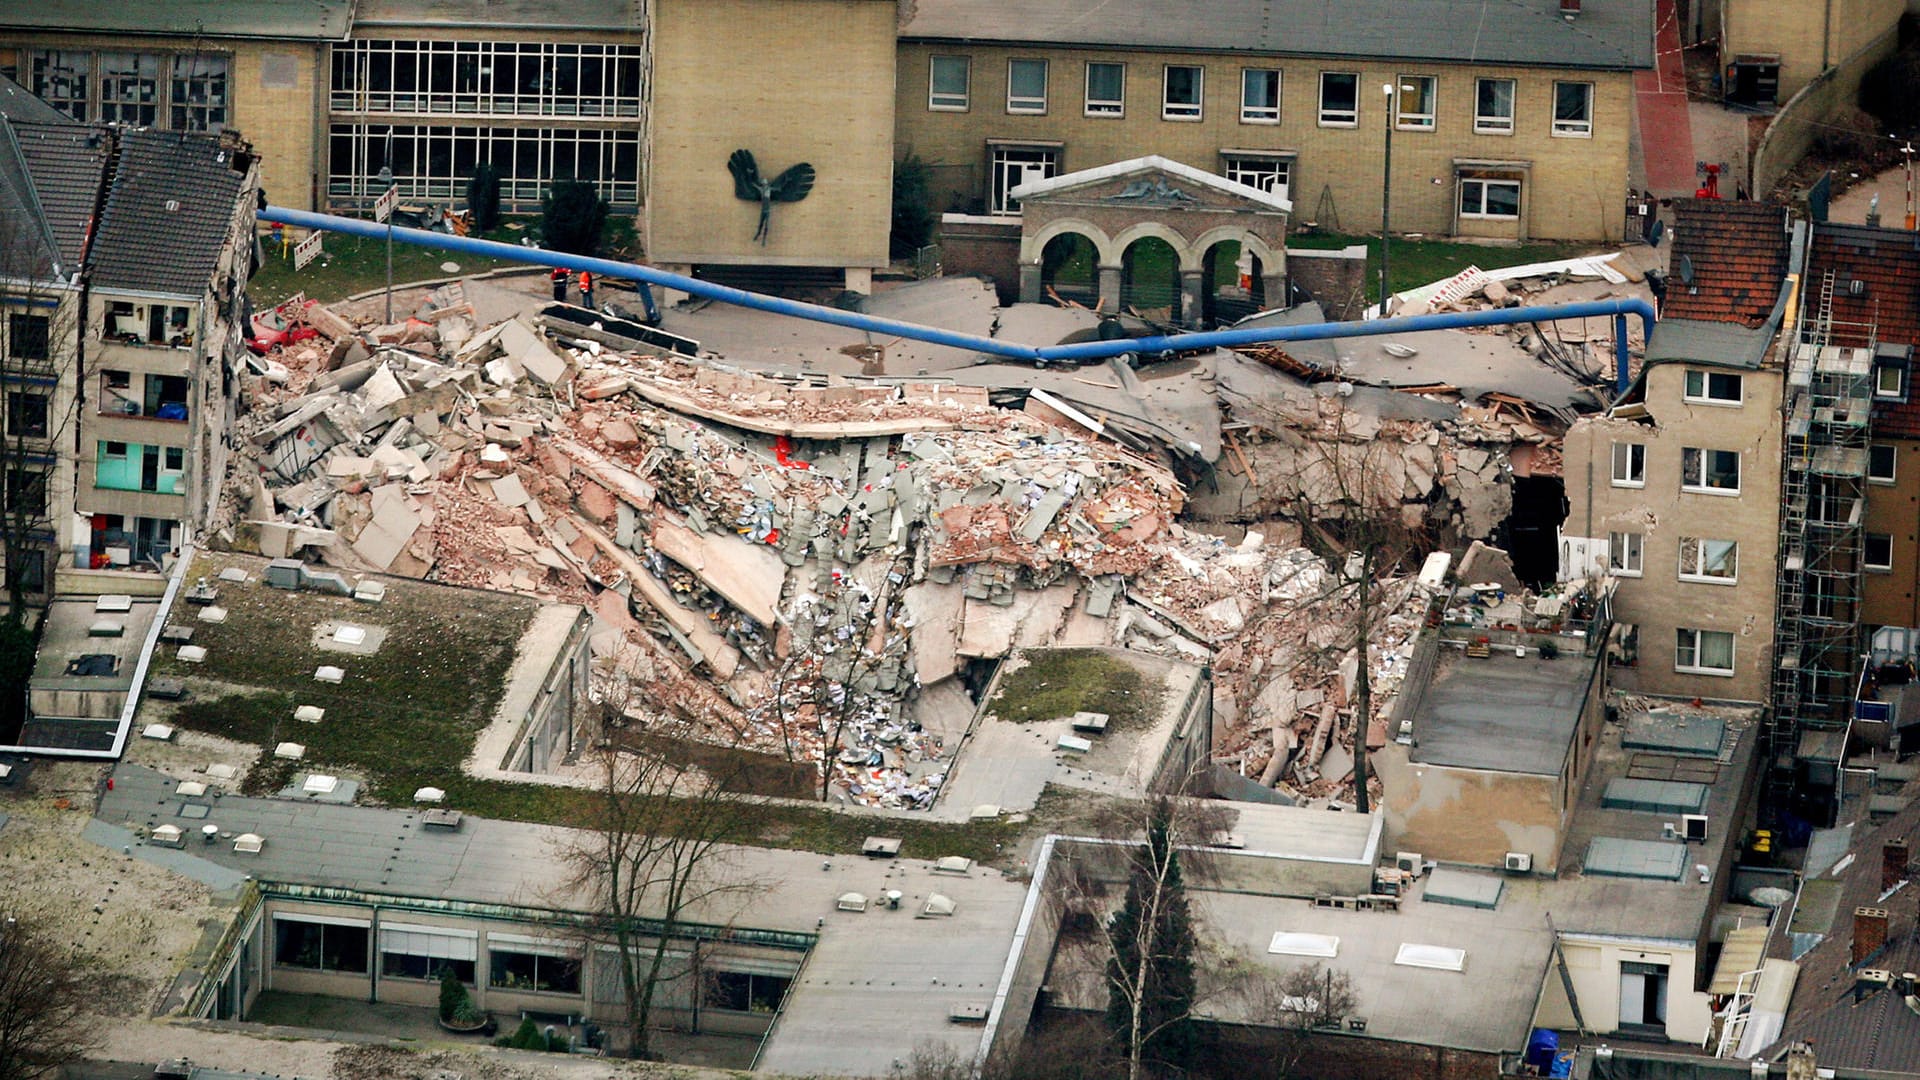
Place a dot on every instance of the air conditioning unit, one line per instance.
(1520, 862)
(1693, 827)
(1408, 862)
(1669, 831)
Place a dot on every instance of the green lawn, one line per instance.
(1417, 262)
(1061, 682)
(352, 265)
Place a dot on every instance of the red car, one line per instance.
(276, 328)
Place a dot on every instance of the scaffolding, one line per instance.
(1822, 528)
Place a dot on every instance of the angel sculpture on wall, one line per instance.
(790, 186)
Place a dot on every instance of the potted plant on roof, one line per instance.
(458, 1011)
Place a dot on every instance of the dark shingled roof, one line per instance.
(18, 103)
(53, 171)
(1738, 257)
(1880, 1032)
(144, 245)
(1608, 34)
(1888, 260)
(308, 20)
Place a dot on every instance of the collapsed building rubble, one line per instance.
(794, 562)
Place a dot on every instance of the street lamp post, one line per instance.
(1386, 199)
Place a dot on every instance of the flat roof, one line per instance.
(66, 636)
(1500, 712)
(912, 970)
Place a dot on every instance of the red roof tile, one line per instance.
(1887, 262)
(1738, 257)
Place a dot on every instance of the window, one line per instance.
(1714, 387)
(1493, 107)
(1715, 472)
(1704, 652)
(28, 566)
(331, 945)
(1183, 87)
(1629, 465)
(1413, 102)
(531, 964)
(1026, 86)
(1625, 552)
(1488, 198)
(26, 492)
(948, 81)
(435, 161)
(63, 79)
(1016, 165)
(1573, 109)
(1273, 175)
(423, 952)
(1106, 89)
(1716, 561)
(1879, 551)
(199, 92)
(27, 336)
(740, 991)
(130, 88)
(1259, 96)
(1890, 381)
(489, 78)
(1881, 463)
(27, 414)
(1339, 99)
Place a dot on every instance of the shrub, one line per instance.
(573, 216)
(1849, 133)
(527, 1036)
(453, 994)
(483, 197)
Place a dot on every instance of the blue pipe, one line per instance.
(1618, 310)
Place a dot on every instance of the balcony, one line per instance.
(161, 397)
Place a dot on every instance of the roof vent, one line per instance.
(173, 206)
(1569, 9)
(1857, 287)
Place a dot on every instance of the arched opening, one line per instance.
(1150, 279)
(1070, 266)
(1228, 295)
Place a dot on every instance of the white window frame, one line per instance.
(1261, 114)
(1572, 128)
(1342, 118)
(1106, 106)
(1635, 472)
(1683, 651)
(1697, 387)
(1899, 387)
(998, 202)
(1412, 121)
(1481, 184)
(1626, 553)
(1866, 553)
(1490, 124)
(1260, 171)
(1893, 464)
(1027, 105)
(1183, 111)
(949, 101)
(1695, 565)
(1695, 477)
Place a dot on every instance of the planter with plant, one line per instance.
(458, 1011)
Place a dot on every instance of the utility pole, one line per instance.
(383, 211)
(1386, 200)
(1906, 155)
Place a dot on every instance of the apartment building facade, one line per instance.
(1676, 490)
(1518, 135)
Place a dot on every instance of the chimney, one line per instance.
(1801, 1064)
(1893, 865)
(1569, 9)
(1870, 981)
(1869, 932)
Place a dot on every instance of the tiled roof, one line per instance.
(1608, 35)
(1888, 262)
(298, 19)
(53, 171)
(1736, 256)
(169, 208)
(18, 103)
(1880, 1032)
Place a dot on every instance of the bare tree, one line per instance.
(44, 991)
(40, 384)
(654, 850)
(1296, 1004)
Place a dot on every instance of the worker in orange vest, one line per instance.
(586, 289)
(559, 279)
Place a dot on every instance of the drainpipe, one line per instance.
(373, 957)
(1036, 354)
